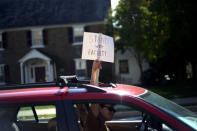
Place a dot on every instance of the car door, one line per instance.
(66, 116)
(38, 116)
(35, 116)
(127, 116)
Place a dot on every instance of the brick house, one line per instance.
(41, 40)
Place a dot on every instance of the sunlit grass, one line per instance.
(39, 117)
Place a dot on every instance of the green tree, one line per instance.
(179, 48)
(138, 30)
(161, 31)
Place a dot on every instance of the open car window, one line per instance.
(37, 117)
(36, 113)
(125, 118)
(125, 113)
(25, 114)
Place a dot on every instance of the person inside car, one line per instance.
(97, 115)
(94, 118)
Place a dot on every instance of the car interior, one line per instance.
(43, 118)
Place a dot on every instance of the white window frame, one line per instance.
(32, 77)
(2, 73)
(1, 41)
(78, 32)
(37, 38)
(80, 64)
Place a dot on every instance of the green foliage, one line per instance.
(161, 30)
(140, 28)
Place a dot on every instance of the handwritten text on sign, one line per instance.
(97, 46)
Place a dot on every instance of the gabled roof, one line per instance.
(27, 13)
(34, 54)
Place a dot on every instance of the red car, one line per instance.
(30, 107)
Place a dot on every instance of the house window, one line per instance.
(2, 74)
(37, 38)
(189, 71)
(78, 35)
(1, 41)
(80, 68)
(123, 66)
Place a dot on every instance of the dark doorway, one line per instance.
(40, 74)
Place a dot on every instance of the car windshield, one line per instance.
(175, 110)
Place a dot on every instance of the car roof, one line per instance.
(122, 89)
(54, 93)
(48, 91)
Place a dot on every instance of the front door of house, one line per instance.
(38, 70)
(40, 74)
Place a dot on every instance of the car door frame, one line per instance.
(69, 121)
(139, 104)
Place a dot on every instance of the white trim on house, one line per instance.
(34, 59)
(78, 31)
(1, 41)
(2, 73)
(51, 26)
(37, 38)
(33, 54)
(30, 71)
(77, 43)
(80, 65)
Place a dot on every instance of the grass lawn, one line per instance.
(174, 91)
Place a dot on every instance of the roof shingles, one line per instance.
(25, 13)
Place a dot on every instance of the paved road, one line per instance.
(189, 103)
(186, 101)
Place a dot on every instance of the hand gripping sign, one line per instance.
(97, 46)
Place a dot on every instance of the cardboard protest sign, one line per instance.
(97, 46)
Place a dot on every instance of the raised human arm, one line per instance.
(95, 81)
(95, 72)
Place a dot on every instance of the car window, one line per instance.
(25, 113)
(37, 118)
(124, 118)
(170, 107)
(125, 113)
(44, 112)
